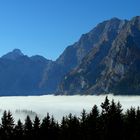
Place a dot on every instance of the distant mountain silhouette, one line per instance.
(20, 74)
(16, 53)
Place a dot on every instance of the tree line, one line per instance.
(111, 123)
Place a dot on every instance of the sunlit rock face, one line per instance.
(113, 64)
(73, 55)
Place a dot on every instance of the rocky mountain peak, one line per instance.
(112, 64)
(16, 53)
(136, 18)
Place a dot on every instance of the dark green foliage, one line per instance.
(108, 124)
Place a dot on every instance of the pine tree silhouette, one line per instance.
(28, 128)
(92, 123)
(36, 128)
(18, 131)
(83, 125)
(7, 125)
(45, 127)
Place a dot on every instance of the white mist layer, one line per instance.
(58, 106)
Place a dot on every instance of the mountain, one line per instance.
(73, 55)
(104, 60)
(113, 63)
(15, 54)
(20, 74)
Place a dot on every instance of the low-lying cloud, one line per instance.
(59, 105)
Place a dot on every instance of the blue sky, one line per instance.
(47, 27)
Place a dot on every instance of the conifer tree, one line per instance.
(45, 126)
(114, 121)
(7, 125)
(36, 127)
(63, 128)
(10, 120)
(28, 127)
(4, 120)
(4, 126)
(36, 123)
(130, 124)
(92, 123)
(83, 125)
(54, 129)
(18, 131)
(104, 118)
(105, 106)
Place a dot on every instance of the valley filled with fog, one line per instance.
(58, 106)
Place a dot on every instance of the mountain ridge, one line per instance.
(101, 78)
(103, 60)
(20, 74)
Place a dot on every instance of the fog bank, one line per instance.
(58, 105)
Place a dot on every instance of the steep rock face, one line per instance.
(111, 66)
(20, 74)
(74, 54)
(123, 73)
